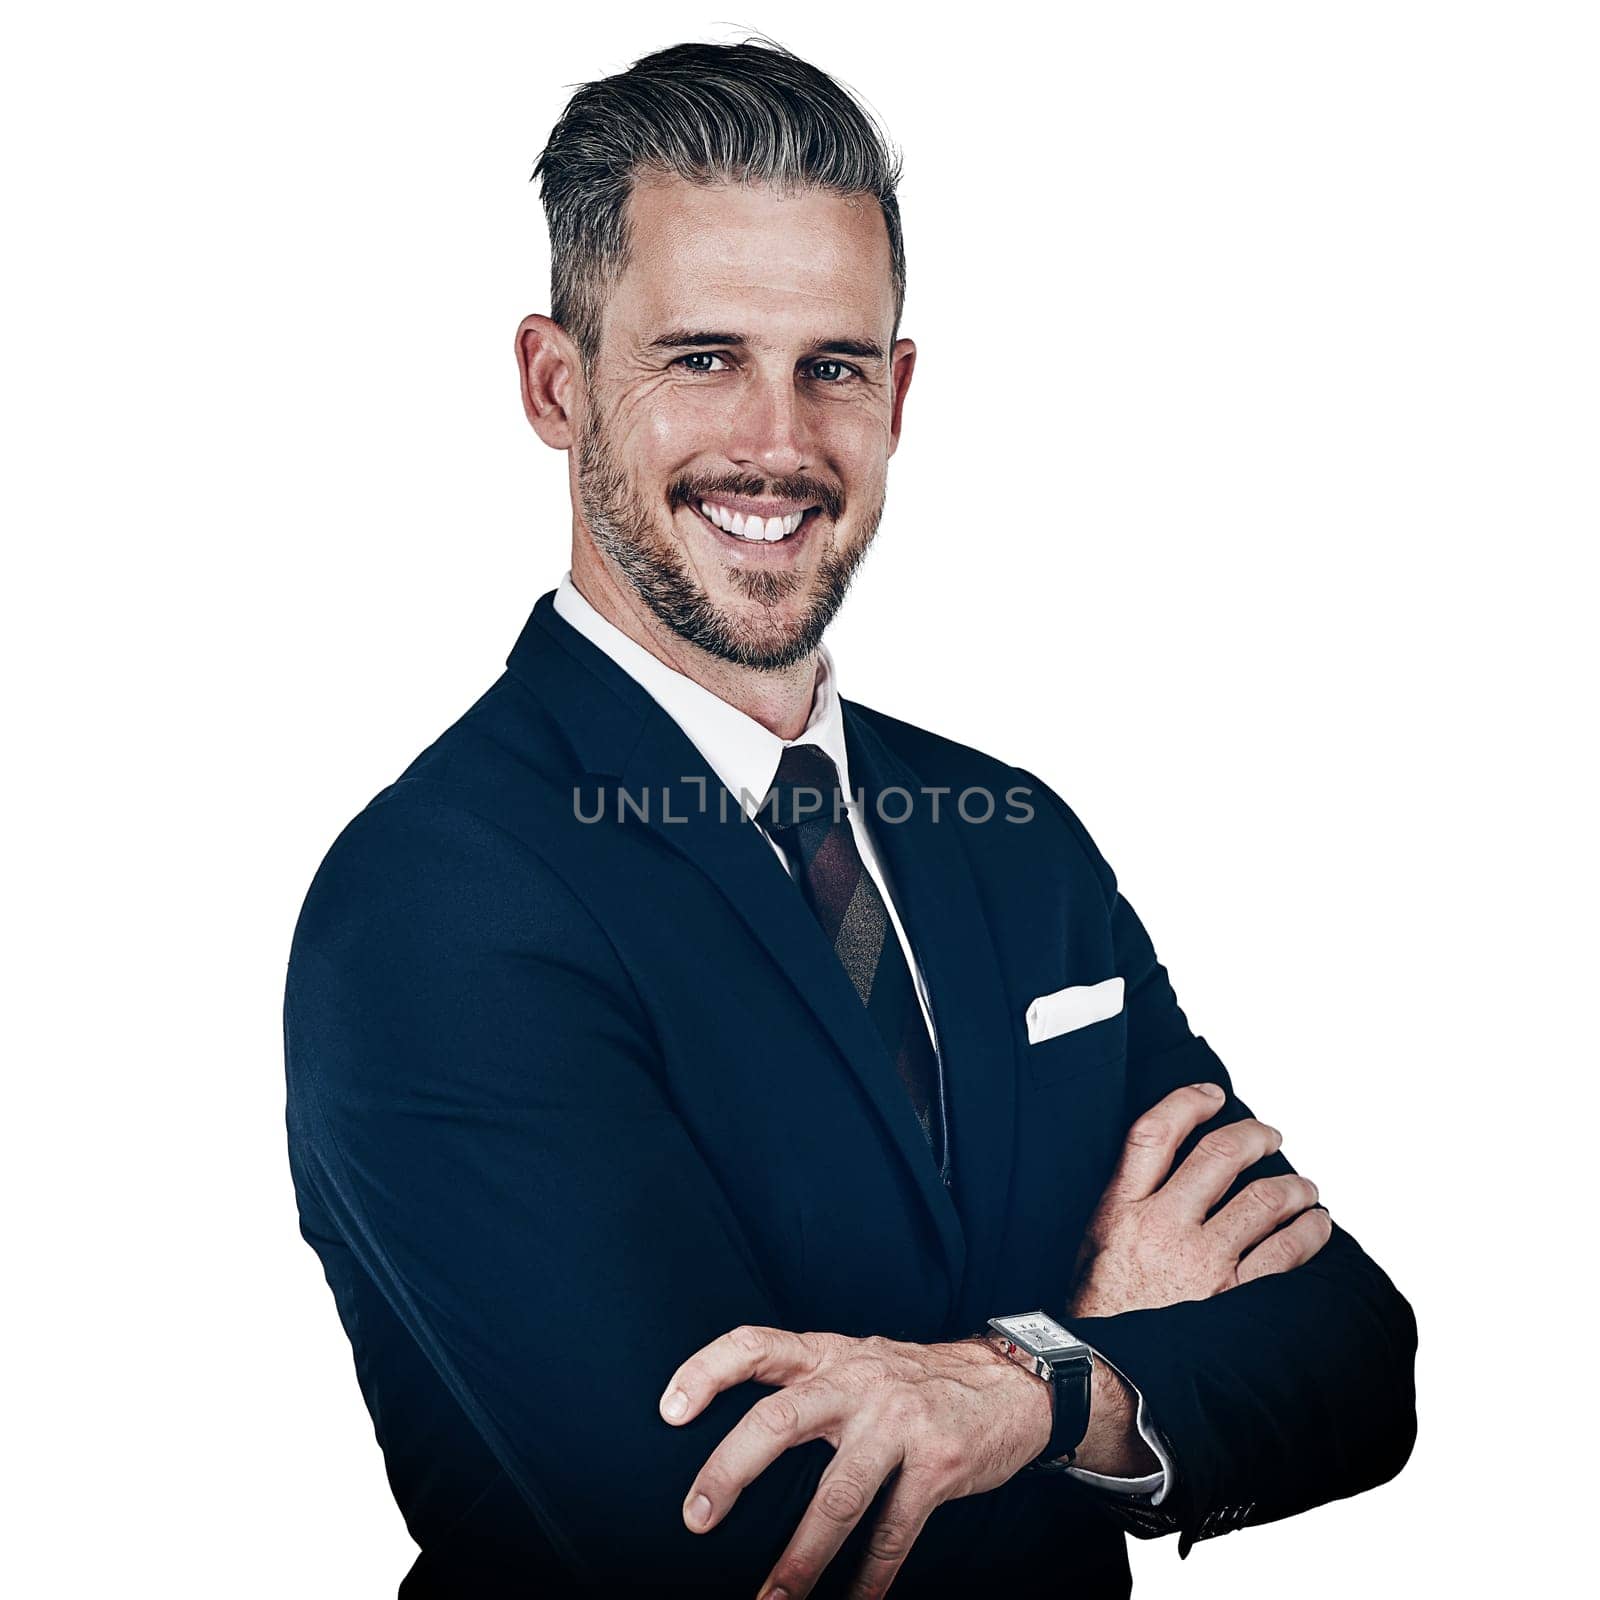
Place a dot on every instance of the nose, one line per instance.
(770, 433)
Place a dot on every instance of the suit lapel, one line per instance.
(623, 733)
(937, 898)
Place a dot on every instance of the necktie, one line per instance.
(805, 814)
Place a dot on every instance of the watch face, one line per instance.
(1037, 1332)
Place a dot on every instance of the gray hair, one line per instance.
(709, 113)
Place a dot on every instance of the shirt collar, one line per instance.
(742, 753)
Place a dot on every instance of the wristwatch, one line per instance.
(1035, 1340)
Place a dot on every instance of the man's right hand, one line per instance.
(1153, 1241)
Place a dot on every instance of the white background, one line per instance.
(1247, 494)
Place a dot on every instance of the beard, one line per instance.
(624, 529)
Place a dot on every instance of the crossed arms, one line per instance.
(948, 1420)
(465, 1063)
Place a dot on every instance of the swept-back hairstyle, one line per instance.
(709, 113)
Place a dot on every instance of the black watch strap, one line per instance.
(1051, 1352)
(1069, 1381)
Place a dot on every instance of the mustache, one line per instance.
(691, 491)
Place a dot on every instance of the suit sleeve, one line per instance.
(473, 1102)
(1283, 1393)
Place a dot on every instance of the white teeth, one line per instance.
(755, 529)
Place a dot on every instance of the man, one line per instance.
(686, 1064)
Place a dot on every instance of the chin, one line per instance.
(762, 633)
(766, 638)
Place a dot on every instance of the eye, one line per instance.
(692, 361)
(831, 371)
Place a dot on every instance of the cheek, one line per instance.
(862, 469)
(671, 424)
(856, 436)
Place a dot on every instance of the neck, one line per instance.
(780, 701)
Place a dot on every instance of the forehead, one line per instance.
(751, 258)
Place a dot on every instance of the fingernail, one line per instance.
(1209, 1090)
(776, 1594)
(699, 1511)
(675, 1404)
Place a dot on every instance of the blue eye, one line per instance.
(835, 369)
(696, 356)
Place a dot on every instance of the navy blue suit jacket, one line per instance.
(567, 1099)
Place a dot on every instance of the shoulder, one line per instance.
(930, 755)
(506, 740)
(437, 949)
(425, 875)
(475, 819)
(936, 759)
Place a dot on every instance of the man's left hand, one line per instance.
(948, 1419)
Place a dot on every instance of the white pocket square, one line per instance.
(1076, 1007)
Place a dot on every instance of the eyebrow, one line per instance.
(695, 339)
(684, 339)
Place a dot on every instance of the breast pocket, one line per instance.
(1096, 1047)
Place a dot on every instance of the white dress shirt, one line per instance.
(745, 756)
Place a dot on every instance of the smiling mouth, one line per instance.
(753, 529)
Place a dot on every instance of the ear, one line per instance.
(902, 363)
(551, 375)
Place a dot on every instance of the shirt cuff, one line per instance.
(1154, 1485)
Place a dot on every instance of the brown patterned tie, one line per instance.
(805, 814)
